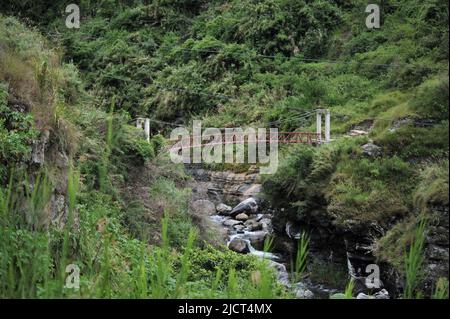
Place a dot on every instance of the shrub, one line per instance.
(16, 135)
(432, 189)
(431, 98)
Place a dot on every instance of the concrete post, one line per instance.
(319, 126)
(147, 129)
(327, 126)
(139, 123)
(144, 124)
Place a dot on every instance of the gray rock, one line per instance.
(231, 222)
(398, 123)
(302, 292)
(256, 237)
(382, 294)
(238, 245)
(281, 272)
(58, 207)
(371, 150)
(253, 225)
(239, 227)
(436, 252)
(266, 224)
(263, 216)
(247, 206)
(357, 133)
(223, 209)
(362, 295)
(253, 190)
(241, 217)
(292, 231)
(38, 148)
(203, 207)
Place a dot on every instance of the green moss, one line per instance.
(391, 247)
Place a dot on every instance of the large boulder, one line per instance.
(238, 245)
(203, 207)
(249, 206)
(223, 209)
(257, 238)
(241, 217)
(371, 150)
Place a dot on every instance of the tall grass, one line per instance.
(105, 160)
(163, 265)
(441, 290)
(72, 190)
(34, 259)
(24, 251)
(348, 293)
(215, 284)
(413, 261)
(264, 285)
(301, 257)
(182, 277)
(142, 287)
(232, 284)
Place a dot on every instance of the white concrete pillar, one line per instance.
(327, 126)
(147, 129)
(144, 124)
(140, 123)
(319, 125)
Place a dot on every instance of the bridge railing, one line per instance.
(282, 138)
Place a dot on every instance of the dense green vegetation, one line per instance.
(229, 63)
(99, 232)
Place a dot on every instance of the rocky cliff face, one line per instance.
(435, 259)
(437, 249)
(224, 186)
(47, 153)
(354, 244)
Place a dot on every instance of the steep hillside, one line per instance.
(242, 63)
(79, 186)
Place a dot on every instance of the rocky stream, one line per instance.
(232, 201)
